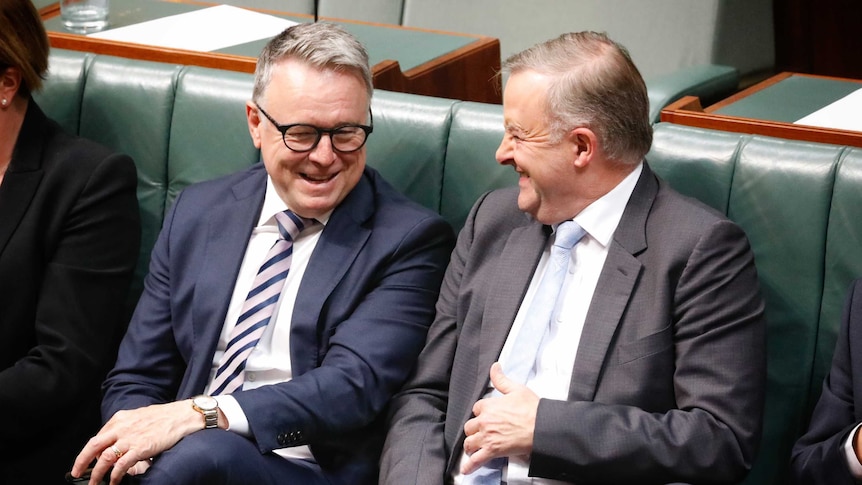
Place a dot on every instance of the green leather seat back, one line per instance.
(63, 89)
(843, 260)
(209, 106)
(133, 118)
(796, 202)
(408, 144)
(781, 198)
(705, 173)
(471, 169)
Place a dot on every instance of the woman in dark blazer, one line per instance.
(69, 241)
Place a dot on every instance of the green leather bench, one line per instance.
(798, 202)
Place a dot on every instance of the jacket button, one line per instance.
(282, 439)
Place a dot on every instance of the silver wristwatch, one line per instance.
(208, 406)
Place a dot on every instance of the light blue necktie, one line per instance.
(257, 310)
(522, 359)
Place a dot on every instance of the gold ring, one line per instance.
(116, 451)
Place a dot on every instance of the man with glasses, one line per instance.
(285, 304)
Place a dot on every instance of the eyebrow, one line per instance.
(510, 127)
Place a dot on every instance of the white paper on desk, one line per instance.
(205, 30)
(844, 114)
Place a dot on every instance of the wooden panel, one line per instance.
(688, 111)
(469, 73)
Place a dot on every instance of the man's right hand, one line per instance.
(135, 436)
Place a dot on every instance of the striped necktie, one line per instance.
(257, 310)
(527, 346)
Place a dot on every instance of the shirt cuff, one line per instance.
(850, 454)
(238, 423)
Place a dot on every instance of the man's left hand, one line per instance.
(136, 435)
(502, 425)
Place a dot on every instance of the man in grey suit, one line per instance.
(649, 367)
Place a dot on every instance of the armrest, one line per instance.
(710, 83)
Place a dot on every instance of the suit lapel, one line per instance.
(614, 289)
(229, 227)
(24, 173)
(341, 241)
(15, 198)
(517, 262)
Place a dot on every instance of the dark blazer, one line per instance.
(361, 315)
(69, 241)
(668, 382)
(818, 456)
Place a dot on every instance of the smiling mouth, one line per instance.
(317, 178)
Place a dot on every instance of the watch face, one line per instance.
(205, 402)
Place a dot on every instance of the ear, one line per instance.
(253, 117)
(10, 83)
(584, 145)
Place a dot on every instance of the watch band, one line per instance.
(208, 407)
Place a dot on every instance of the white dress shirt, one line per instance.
(850, 454)
(269, 362)
(556, 358)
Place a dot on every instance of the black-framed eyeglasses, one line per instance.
(300, 137)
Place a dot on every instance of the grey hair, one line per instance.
(595, 84)
(320, 44)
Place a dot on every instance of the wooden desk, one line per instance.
(418, 61)
(770, 108)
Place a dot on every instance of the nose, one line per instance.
(504, 154)
(323, 152)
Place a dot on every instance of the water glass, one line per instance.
(84, 16)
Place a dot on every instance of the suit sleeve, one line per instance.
(711, 431)
(415, 450)
(82, 302)
(149, 366)
(818, 456)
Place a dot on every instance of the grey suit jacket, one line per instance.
(668, 381)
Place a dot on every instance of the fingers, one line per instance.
(475, 461)
(500, 381)
(140, 467)
(477, 456)
(115, 459)
(104, 461)
(96, 445)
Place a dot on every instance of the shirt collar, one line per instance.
(273, 204)
(601, 218)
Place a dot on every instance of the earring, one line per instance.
(4, 102)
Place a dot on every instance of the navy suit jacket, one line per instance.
(818, 456)
(69, 241)
(360, 319)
